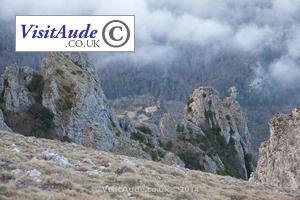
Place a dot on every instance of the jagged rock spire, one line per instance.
(279, 157)
(224, 117)
(73, 93)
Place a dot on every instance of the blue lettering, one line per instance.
(62, 32)
(26, 32)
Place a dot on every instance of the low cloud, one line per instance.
(164, 28)
(251, 37)
(286, 70)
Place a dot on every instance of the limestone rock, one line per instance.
(210, 165)
(58, 159)
(96, 135)
(73, 93)
(34, 173)
(3, 125)
(215, 116)
(279, 157)
(126, 125)
(171, 159)
(13, 85)
(167, 126)
(65, 101)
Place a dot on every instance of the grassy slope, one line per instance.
(90, 170)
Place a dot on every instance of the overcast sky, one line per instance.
(164, 26)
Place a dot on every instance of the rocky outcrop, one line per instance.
(72, 92)
(20, 102)
(167, 126)
(3, 125)
(222, 119)
(65, 101)
(213, 135)
(14, 86)
(59, 160)
(279, 157)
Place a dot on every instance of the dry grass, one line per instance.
(92, 173)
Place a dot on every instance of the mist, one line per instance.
(164, 28)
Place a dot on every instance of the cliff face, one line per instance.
(13, 84)
(279, 157)
(221, 120)
(65, 101)
(72, 92)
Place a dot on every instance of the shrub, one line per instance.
(161, 143)
(228, 117)
(169, 145)
(179, 128)
(60, 72)
(248, 163)
(37, 121)
(125, 169)
(36, 86)
(248, 158)
(230, 170)
(3, 189)
(182, 137)
(68, 104)
(41, 112)
(161, 153)
(68, 88)
(209, 103)
(118, 134)
(191, 159)
(165, 145)
(2, 96)
(231, 131)
(144, 129)
(190, 100)
(43, 118)
(189, 109)
(5, 177)
(66, 138)
(208, 115)
(139, 137)
(67, 97)
(154, 155)
(59, 185)
(215, 143)
(67, 100)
